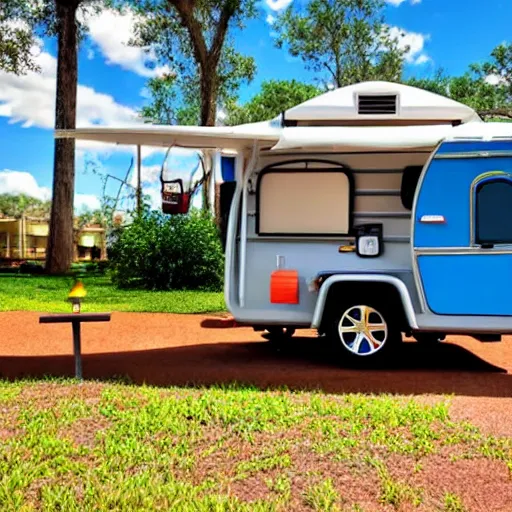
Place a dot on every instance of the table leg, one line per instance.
(77, 350)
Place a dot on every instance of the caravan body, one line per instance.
(367, 212)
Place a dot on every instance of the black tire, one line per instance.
(363, 347)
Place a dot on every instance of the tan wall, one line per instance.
(34, 241)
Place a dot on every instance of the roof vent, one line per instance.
(373, 104)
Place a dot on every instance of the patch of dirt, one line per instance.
(482, 484)
(177, 350)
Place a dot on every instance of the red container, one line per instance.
(175, 203)
(284, 287)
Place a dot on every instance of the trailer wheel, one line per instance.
(364, 332)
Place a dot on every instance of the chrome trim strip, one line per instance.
(474, 154)
(424, 251)
(259, 238)
(373, 278)
(465, 324)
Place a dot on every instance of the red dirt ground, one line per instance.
(165, 349)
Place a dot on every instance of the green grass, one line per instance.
(98, 447)
(49, 295)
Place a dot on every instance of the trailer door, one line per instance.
(462, 233)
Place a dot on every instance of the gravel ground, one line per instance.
(166, 349)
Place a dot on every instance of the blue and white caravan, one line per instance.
(365, 213)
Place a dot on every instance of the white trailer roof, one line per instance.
(439, 115)
(381, 101)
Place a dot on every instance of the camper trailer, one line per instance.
(368, 212)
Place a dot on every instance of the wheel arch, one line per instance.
(336, 282)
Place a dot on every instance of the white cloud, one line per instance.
(111, 32)
(396, 3)
(21, 182)
(86, 202)
(30, 99)
(422, 59)
(494, 79)
(150, 174)
(18, 182)
(278, 5)
(414, 41)
(270, 19)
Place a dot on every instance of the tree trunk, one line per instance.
(208, 114)
(60, 243)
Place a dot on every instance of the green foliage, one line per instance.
(16, 38)
(168, 253)
(275, 97)
(322, 497)
(21, 21)
(452, 503)
(346, 41)
(195, 41)
(472, 89)
(16, 205)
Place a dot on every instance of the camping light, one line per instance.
(369, 240)
(76, 295)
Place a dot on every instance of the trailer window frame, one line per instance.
(482, 181)
(333, 167)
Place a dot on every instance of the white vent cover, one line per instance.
(376, 104)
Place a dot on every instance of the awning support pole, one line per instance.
(139, 184)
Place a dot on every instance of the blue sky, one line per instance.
(448, 34)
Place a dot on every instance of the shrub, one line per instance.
(176, 252)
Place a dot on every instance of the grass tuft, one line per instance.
(98, 447)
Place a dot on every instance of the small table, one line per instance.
(75, 319)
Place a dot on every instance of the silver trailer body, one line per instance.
(363, 206)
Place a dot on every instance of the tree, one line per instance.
(53, 18)
(344, 41)
(19, 205)
(193, 38)
(16, 38)
(275, 97)
(490, 99)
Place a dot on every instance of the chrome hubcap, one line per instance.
(363, 330)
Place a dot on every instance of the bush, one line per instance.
(164, 253)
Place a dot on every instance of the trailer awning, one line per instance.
(367, 137)
(271, 136)
(193, 137)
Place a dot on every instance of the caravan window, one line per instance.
(312, 201)
(493, 211)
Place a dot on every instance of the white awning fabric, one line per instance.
(194, 137)
(367, 137)
(307, 137)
